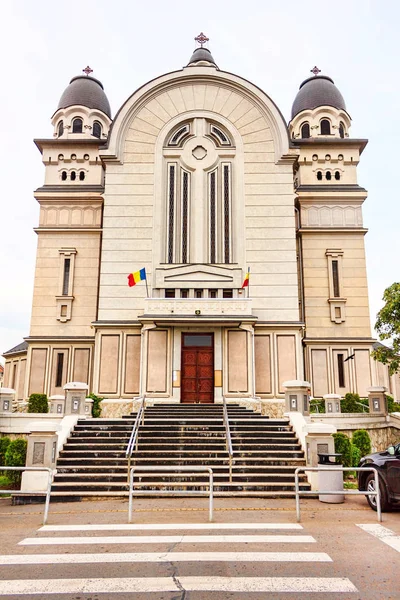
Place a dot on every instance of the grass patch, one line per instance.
(350, 485)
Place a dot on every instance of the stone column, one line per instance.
(57, 404)
(377, 400)
(41, 452)
(297, 396)
(75, 396)
(7, 397)
(332, 403)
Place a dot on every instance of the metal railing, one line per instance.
(187, 469)
(35, 492)
(229, 448)
(337, 492)
(134, 438)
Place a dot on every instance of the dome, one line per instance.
(317, 91)
(85, 91)
(201, 54)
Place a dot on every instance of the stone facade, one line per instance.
(198, 181)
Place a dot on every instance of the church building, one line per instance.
(243, 235)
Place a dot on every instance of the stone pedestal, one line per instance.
(332, 403)
(377, 401)
(7, 397)
(57, 404)
(41, 452)
(75, 396)
(297, 396)
(319, 440)
(88, 407)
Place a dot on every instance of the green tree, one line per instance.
(343, 447)
(4, 443)
(16, 457)
(38, 403)
(362, 440)
(96, 408)
(388, 327)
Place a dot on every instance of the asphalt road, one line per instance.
(254, 549)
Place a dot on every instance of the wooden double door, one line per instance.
(197, 368)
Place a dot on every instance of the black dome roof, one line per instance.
(201, 54)
(317, 91)
(85, 91)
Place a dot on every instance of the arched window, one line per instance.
(73, 176)
(328, 175)
(319, 175)
(64, 175)
(97, 129)
(341, 130)
(199, 194)
(337, 175)
(305, 130)
(60, 128)
(77, 126)
(325, 127)
(82, 175)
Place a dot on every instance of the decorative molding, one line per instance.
(331, 216)
(70, 216)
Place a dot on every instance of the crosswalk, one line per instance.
(170, 558)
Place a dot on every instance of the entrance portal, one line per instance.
(197, 365)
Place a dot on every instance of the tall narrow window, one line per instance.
(59, 371)
(185, 212)
(226, 212)
(341, 130)
(213, 206)
(14, 376)
(325, 127)
(305, 130)
(198, 293)
(335, 278)
(77, 126)
(340, 364)
(171, 213)
(67, 268)
(60, 128)
(96, 129)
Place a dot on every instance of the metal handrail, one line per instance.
(171, 469)
(341, 492)
(228, 437)
(134, 438)
(33, 492)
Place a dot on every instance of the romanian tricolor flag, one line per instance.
(246, 280)
(134, 278)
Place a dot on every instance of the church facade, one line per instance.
(199, 181)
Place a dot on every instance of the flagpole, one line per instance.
(248, 285)
(147, 288)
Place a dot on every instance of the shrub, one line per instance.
(4, 443)
(362, 440)
(96, 408)
(351, 403)
(16, 457)
(355, 455)
(37, 403)
(317, 403)
(343, 447)
(392, 405)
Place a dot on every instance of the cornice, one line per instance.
(67, 229)
(304, 230)
(330, 141)
(42, 142)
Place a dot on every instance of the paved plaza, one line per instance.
(254, 548)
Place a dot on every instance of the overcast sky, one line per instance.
(44, 44)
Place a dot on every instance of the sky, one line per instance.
(44, 44)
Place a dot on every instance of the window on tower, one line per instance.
(97, 129)
(341, 130)
(77, 126)
(305, 130)
(325, 127)
(60, 128)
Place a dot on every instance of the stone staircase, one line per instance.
(266, 453)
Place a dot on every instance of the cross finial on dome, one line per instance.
(315, 71)
(201, 39)
(87, 70)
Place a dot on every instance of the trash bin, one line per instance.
(330, 480)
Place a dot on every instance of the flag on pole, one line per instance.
(246, 280)
(134, 278)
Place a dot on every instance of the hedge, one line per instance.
(38, 403)
(16, 457)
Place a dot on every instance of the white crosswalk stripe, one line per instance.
(244, 542)
(387, 536)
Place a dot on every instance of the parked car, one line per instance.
(387, 464)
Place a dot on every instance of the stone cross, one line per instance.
(201, 39)
(87, 70)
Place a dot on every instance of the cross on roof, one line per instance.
(201, 39)
(315, 70)
(87, 70)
